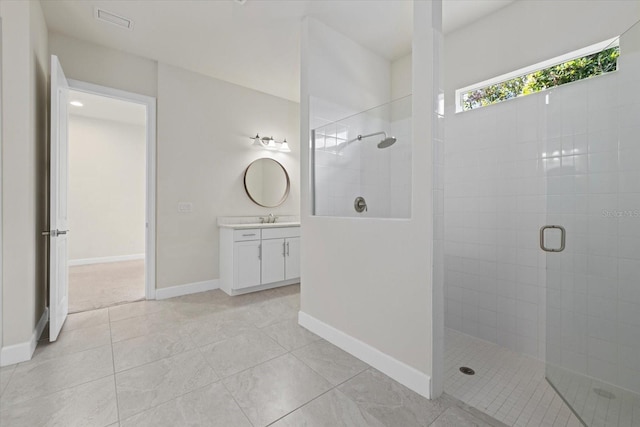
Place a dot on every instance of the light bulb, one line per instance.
(256, 140)
(285, 146)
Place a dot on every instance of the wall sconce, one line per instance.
(270, 143)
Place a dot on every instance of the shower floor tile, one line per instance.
(507, 385)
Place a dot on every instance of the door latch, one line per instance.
(54, 233)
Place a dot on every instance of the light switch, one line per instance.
(185, 207)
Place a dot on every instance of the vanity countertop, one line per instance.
(245, 226)
(245, 222)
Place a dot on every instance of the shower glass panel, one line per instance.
(361, 165)
(591, 157)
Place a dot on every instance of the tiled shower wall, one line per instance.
(569, 156)
(494, 206)
(381, 176)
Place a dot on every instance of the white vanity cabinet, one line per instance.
(273, 254)
(247, 266)
(280, 254)
(253, 259)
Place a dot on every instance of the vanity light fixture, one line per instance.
(285, 146)
(76, 103)
(270, 143)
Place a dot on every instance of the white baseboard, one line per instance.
(189, 288)
(22, 352)
(399, 371)
(101, 260)
(233, 292)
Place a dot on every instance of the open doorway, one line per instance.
(107, 200)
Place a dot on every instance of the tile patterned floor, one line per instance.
(95, 286)
(209, 360)
(507, 385)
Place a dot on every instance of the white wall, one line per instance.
(204, 125)
(25, 71)
(370, 279)
(100, 65)
(107, 188)
(401, 77)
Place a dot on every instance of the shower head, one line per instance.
(387, 142)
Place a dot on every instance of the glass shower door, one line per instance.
(591, 160)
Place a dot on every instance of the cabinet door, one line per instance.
(272, 260)
(247, 264)
(292, 260)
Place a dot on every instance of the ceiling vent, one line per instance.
(112, 18)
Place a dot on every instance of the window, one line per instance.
(588, 62)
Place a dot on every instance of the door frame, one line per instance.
(150, 204)
(1, 209)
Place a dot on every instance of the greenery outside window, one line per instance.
(541, 76)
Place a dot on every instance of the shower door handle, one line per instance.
(563, 238)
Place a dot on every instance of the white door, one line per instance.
(273, 251)
(58, 268)
(292, 264)
(247, 264)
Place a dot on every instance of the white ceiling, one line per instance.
(102, 107)
(254, 45)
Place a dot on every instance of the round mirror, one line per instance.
(266, 182)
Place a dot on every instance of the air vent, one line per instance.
(112, 18)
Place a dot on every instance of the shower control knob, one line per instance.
(360, 204)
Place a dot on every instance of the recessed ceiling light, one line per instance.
(112, 18)
(76, 103)
(240, 1)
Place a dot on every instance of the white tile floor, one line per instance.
(209, 360)
(176, 362)
(507, 385)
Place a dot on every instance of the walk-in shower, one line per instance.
(563, 159)
(359, 168)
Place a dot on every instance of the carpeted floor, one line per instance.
(102, 285)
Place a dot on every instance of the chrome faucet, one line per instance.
(271, 219)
